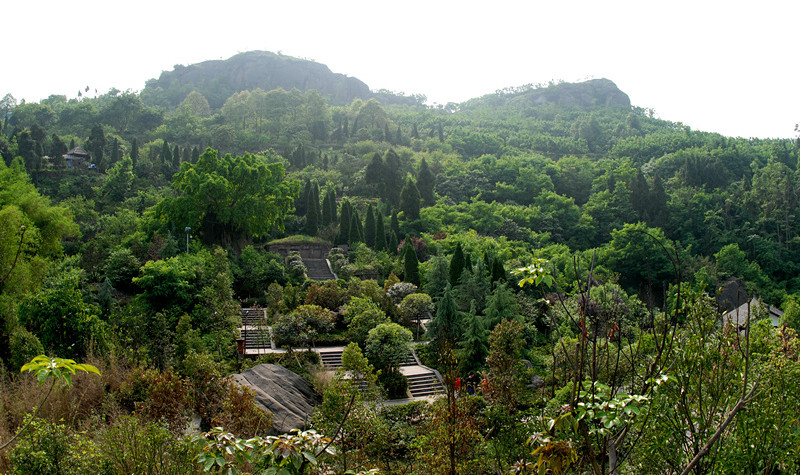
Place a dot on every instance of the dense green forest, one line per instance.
(569, 248)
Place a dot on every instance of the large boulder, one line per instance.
(285, 394)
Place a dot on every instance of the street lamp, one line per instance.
(187, 229)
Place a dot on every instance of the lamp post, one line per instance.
(187, 229)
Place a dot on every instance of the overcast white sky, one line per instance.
(728, 67)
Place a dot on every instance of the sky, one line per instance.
(720, 66)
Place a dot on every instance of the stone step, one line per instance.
(318, 269)
(425, 384)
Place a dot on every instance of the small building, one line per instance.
(76, 156)
(738, 316)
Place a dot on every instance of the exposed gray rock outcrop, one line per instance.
(285, 394)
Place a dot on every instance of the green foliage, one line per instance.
(230, 196)
(61, 319)
(51, 448)
(302, 326)
(387, 346)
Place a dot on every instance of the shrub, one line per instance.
(48, 448)
(302, 326)
(24, 346)
(135, 446)
(400, 290)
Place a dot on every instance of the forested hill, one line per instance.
(584, 95)
(218, 79)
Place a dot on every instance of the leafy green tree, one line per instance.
(504, 364)
(501, 305)
(388, 345)
(437, 277)
(302, 326)
(224, 198)
(119, 181)
(60, 318)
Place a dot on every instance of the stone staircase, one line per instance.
(424, 384)
(256, 338)
(253, 316)
(331, 358)
(318, 269)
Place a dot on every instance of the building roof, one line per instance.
(738, 316)
(77, 152)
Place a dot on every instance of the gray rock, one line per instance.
(285, 394)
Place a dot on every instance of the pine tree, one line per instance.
(380, 233)
(501, 305)
(410, 264)
(426, 182)
(409, 200)
(474, 345)
(445, 327)
(456, 265)
(369, 228)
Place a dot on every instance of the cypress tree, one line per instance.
(392, 177)
(498, 271)
(355, 224)
(386, 135)
(398, 138)
(176, 157)
(187, 155)
(467, 262)
(409, 200)
(166, 154)
(315, 202)
(380, 233)
(326, 210)
(441, 132)
(369, 228)
(312, 218)
(332, 204)
(344, 223)
(414, 132)
(115, 152)
(396, 226)
(445, 327)
(426, 182)
(134, 151)
(410, 264)
(195, 154)
(393, 243)
(456, 265)
(301, 203)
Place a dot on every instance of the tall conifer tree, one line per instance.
(426, 182)
(456, 265)
(410, 263)
(380, 233)
(369, 228)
